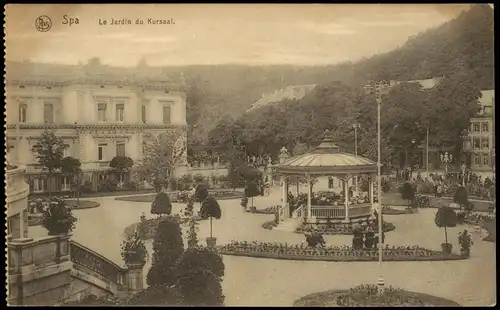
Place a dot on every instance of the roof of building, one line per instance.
(57, 73)
(327, 159)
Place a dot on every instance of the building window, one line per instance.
(23, 108)
(65, 185)
(143, 114)
(476, 128)
(120, 111)
(477, 160)
(120, 149)
(37, 185)
(101, 112)
(485, 127)
(486, 143)
(486, 160)
(477, 143)
(166, 114)
(48, 113)
(101, 148)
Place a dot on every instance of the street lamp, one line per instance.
(446, 159)
(356, 126)
(378, 87)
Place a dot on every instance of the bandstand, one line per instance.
(328, 161)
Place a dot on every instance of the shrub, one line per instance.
(107, 185)
(161, 204)
(86, 187)
(159, 184)
(130, 185)
(465, 241)
(446, 217)
(201, 257)
(159, 295)
(57, 218)
(192, 237)
(461, 198)
(407, 192)
(201, 192)
(252, 190)
(198, 178)
(168, 247)
(200, 287)
(133, 250)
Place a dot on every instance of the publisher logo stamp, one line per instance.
(43, 23)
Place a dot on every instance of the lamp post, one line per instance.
(356, 126)
(378, 87)
(446, 159)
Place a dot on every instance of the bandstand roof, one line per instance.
(326, 159)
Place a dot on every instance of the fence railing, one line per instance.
(299, 212)
(328, 212)
(85, 257)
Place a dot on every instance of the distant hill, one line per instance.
(219, 91)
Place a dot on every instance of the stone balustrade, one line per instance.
(41, 271)
(16, 187)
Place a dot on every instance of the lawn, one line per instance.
(82, 204)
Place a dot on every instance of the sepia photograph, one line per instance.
(304, 155)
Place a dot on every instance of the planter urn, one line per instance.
(211, 241)
(446, 248)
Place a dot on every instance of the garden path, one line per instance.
(253, 281)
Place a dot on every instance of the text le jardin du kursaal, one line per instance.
(67, 20)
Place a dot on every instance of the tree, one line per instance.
(158, 295)
(161, 204)
(168, 247)
(407, 192)
(163, 152)
(252, 190)
(200, 287)
(49, 151)
(209, 209)
(461, 198)
(58, 218)
(199, 275)
(446, 217)
(122, 165)
(72, 167)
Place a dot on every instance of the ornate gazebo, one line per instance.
(328, 161)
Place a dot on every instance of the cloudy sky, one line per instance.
(213, 34)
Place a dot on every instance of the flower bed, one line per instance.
(367, 295)
(219, 195)
(486, 221)
(268, 210)
(343, 228)
(331, 253)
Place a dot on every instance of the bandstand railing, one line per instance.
(85, 257)
(333, 212)
(300, 212)
(364, 209)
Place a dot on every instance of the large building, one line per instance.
(481, 135)
(99, 111)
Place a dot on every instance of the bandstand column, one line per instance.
(346, 194)
(371, 190)
(309, 193)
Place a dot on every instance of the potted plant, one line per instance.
(209, 209)
(133, 251)
(465, 241)
(252, 190)
(57, 218)
(446, 217)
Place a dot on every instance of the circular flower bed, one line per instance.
(331, 253)
(344, 228)
(367, 296)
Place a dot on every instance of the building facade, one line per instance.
(98, 117)
(480, 145)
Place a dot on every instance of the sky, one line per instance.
(252, 34)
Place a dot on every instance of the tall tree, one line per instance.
(122, 165)
(163, 152)
(49, 151)
(72, 167)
